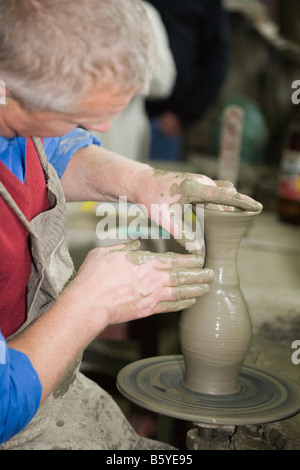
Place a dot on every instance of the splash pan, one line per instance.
(156, 384)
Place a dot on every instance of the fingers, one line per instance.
(174, 306)
(223, 207)
(189, 291)
(165, 260)
(245, 202)
(132, 246)
(179, 277)
(174, 280)
(186, 285)
(185, 297)
(193, 191)
(224, 184)
(230, 197)
(184, 292)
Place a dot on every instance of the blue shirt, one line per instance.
(59, 151)
(20, 391)
(20, 387)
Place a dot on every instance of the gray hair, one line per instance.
(53, 51)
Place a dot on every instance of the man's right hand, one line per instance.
(116, 285)
(113, 285)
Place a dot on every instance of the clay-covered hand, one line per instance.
(171, 197)
(116, 285)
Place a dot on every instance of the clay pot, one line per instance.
(216, 333)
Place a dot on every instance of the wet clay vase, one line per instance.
(215, 334)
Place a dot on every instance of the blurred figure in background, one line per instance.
(197, 31)
(130, 132)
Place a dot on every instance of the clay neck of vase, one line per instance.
(223, 234)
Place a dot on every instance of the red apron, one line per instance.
(15, 257)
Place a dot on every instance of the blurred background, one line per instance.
(264, 61)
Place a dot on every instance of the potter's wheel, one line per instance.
(156, 384)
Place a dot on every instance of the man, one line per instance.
(67, 64)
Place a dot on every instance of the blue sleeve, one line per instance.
(60, 150)
(20, 391)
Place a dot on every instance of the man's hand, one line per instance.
(95, 174)
(176, 194)
(113, 285)
(119, 284)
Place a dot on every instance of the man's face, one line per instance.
(96, 112)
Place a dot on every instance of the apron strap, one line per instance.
(41, 152)
(6, 195)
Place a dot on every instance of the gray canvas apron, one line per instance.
(78, 414)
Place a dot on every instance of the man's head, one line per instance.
(53, 53)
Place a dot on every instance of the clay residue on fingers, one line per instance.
(131, 246)
(157, 172)
(192, 191)
(190, 276)
(170, 259)
(190, 291)
(141, 257)
(177, 305)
